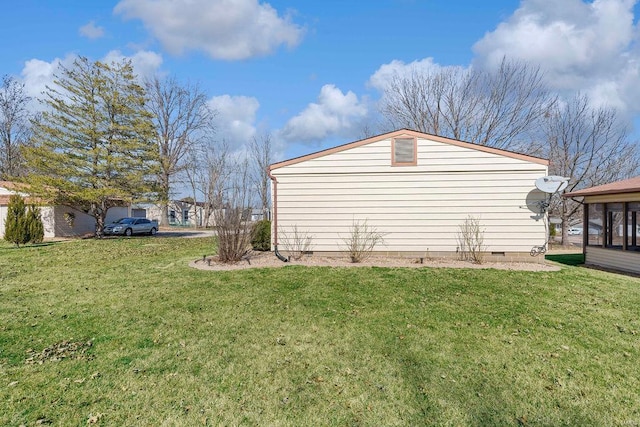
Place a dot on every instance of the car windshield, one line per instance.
(125, 221)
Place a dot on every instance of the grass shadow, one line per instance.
(30, 245)
(567, 259)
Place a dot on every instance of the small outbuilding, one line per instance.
(611, 231)
(417, 190)
(58, 221)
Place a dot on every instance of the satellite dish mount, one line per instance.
(550, 185)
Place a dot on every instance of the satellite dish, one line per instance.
(552, 184)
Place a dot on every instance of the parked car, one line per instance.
(131, 226)
(574, 230)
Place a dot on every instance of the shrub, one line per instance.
(362, 240)
(261, 235)
(15, 226)
(34, 225)
(471, 240)
(296, 242)
(22, 226)
(234, 234)
(232, 201)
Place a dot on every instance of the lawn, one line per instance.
(123, 332)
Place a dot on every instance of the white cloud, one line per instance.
(224, 29)
(396, 68)
(586, 46)
(145, 63)
(37, 74)
(335, 113)
(91, 31)
(235, 118)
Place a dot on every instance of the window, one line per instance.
(138, 212)
(404, 152)
(614, 225)
(185, 216)
(172, 216)
(633, 226)
(595, 224)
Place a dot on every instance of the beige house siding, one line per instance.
(53, 218)
(432, 157)
(3, 217)
(55, 224)
(614, 259)
(419, 208)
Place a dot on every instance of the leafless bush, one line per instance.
(471, 240)
(361, 241)
(296, 242)
(232, 202)
(234, 234)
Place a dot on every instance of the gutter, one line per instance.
(275, 216)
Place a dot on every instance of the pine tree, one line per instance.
(93, 147)
(15, 230)
(34, 226)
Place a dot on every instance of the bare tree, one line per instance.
(182, 119)
(590, 146)
(14, 126)
(261, 152)
(494, 108)
(206, 175)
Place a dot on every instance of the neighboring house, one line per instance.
(415, 188)
(259, 215)
(186, 213)
(183, 212)
(612, 215)
(58, 221)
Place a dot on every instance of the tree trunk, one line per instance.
(164, 200)
(565, 224)
(164, 214)
(196, 222)
(100, 214)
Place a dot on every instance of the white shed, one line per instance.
(415, 188)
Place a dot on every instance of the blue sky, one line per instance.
(311, 73)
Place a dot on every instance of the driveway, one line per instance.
(186, 233)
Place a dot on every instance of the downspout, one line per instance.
(275, 216)
(585, 226)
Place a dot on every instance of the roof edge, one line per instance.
(630, 185)
(412, 133)
(584, 193)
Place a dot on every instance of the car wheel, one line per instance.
(153, 231)
(128, 232)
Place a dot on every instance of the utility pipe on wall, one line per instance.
(275, 216)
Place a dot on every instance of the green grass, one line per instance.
(567, 259)
(171, 345)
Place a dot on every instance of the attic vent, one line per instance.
(404, 152)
